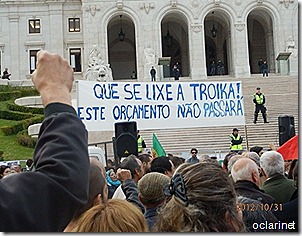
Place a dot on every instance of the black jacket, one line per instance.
(46, 199)
(248, 189)
(130, 190)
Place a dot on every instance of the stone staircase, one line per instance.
(281, 99)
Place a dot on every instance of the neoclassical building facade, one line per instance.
(132, 36)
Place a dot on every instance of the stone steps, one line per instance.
(282, 99)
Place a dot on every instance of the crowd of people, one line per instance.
(66, 191)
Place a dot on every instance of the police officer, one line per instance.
(236, 141)
(140, 143)
(259, 100)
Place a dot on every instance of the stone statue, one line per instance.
(290, 46)
(149, 56)
(98, 70)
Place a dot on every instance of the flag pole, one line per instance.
(247, 141)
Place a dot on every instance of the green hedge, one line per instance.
(13, 115)
(25, 140)
(33, 110)
(21, 125)
(5, 96)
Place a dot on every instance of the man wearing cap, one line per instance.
(259, 100)
(236, 141)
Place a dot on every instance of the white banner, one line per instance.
(160, 105)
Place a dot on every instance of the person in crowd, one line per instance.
(177, 161)
(253, 156)
(4, 171)
(162, 165)
(151, 194)
(290, 210)
(46, 199)
(236, 141)
(29, 164)
(197, 203)
(264, 69)
(276, 184)
(98, 191)
(193, 159)
(5, 74)
(116, 215)
(153, 73)
(260, 63)
(15, 168)
(176, 72)
(112, 182)
(212, 68)
(259, 100)
(110, 164)
(226, 160)
(133, 75)
(204, 157)
(253, 215)
(129, 173)
(258, 149)
(245, 174)
(231, 162)
(220, 68)
(140, 143)
(146, 161)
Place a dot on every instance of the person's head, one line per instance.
(16, 168)
(111, 174)
(116, 215)
(232, 161)
(162, 165)
(177, 161)
(194, 152)
(258, 149)
(258, 90)
(291, 173)
(146, 161)
(226, 160)
(272, 163)
(98, 190)
(256, 216)
(253, 156)
(29, 162)
(4, 171)
(151, 189)
(245, 169)
(110, 164)
(235, 131)
(135, 166)
(203, 200)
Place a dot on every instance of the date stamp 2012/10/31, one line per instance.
(260, 206)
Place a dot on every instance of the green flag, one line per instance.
(157, 148)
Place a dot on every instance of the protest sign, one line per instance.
(160, 105)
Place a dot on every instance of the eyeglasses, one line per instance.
(194, 152)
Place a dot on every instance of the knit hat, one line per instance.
(151, 187)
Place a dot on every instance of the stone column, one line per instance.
(197, 52)
(240, 51)
(14, 64)
(56, 26)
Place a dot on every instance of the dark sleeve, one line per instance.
(263, 100)
(144, 144)
(45, 200)
(254, 99)
(131, 192)
(236, 142)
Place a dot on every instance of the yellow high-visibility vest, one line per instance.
(140, 144)
(238, 146)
